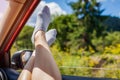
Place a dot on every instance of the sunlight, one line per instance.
(3, 6)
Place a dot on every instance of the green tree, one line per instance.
(66, 26)
(89, 13)
(78, 29)
(23, 41)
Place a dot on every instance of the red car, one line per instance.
(14, 20)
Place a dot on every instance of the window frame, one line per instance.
(22, 14)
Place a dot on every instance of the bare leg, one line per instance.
(43, 64)
(45, 67)
(42, 60)
(27, 71)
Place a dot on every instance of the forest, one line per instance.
(87, 44)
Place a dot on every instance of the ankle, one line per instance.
(39, 37)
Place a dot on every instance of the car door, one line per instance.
(16, 16)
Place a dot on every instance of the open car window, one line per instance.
(80, 58)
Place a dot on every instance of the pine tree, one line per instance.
(89, 13)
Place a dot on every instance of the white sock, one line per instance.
(51, 36)
(43, 20)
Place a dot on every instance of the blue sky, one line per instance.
(62, 4)
(112, 7)
(59, 7)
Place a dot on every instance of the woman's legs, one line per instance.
(50, 38)
(45, 67)
(27, 71)
(42, 61)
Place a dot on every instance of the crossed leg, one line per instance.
(41, 65)
(47, 67)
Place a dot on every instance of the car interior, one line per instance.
(16, 16)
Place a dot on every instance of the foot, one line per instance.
(43, 20)
(51, 36)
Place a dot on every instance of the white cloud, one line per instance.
(55, 9)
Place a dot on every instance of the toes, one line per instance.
(45, 10)
(51, 36)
